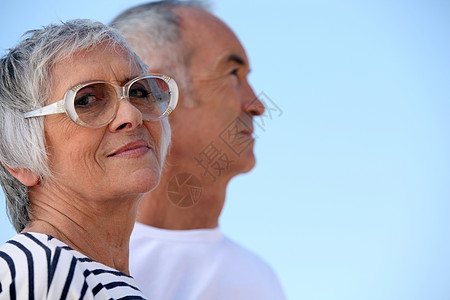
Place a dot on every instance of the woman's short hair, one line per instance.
(25, 84)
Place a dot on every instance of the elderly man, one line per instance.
(177, 250)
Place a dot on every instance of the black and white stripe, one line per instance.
(38, 266)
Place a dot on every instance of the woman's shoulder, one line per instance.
(34, 264)
(40, 265)
(25, 251)
(33, 251)
(29, 240)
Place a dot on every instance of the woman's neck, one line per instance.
(100, 231)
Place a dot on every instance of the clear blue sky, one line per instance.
(350, 196)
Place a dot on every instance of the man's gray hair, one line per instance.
(25, 84)
(153, 31)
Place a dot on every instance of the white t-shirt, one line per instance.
(198, 264)
(38, 266)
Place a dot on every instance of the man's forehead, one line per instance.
(222, 47)
(218, 58)
(210, 39)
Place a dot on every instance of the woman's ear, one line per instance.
(26, 176)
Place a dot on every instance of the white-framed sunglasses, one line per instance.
(95, 103)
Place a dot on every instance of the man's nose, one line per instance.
(252, 105)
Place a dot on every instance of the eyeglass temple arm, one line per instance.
(173, 88)
(54, 108)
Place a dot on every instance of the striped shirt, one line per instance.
(38, 266)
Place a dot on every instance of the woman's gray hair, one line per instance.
(25, 84)
(153, 31)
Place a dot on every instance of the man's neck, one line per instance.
(184, 200)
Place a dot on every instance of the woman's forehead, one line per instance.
(115, 64)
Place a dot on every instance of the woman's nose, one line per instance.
(128, 117)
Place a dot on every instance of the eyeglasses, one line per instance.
(95, 103)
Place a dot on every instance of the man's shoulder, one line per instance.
(206, 263)
(243, 255)
(250, 268)
(202, 244)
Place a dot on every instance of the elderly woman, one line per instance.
(83, 136)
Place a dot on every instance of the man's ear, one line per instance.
(25, 176)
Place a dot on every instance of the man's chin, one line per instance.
(245, 165)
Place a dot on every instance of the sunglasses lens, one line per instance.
(95, 103)
(151, 96)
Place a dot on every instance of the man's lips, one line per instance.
(132, 149)
(248, 132)
(245, 126)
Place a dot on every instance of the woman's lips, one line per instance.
(130, 150)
